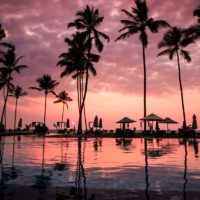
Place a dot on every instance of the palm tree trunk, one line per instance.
(145, 89)
(80, 108)
(62, 114)
(181, 89)
(45, 107)
(4, 107)
(15, 118)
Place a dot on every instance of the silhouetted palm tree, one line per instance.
(174, 41)
(17, 92)
(88, 20)
(76, 60)
(47, 85)
(138, 22)
(4, 44)
(10, 65)
(194, 30)
(63, 98)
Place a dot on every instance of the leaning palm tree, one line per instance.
(138, 22)
(88, 20)
(174, 41)
(63, 98)
(75, 61)
(17, 92)
(10, 65)
(47, 85)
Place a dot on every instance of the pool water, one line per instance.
(134, 164)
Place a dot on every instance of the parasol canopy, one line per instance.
(168, 120)
(126, 120)
(152, 117)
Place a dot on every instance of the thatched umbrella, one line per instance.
(152, 118)
(125, 121)
(168, 121)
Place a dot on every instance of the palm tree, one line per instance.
(63, 98)
(174, 41)
(17, 92)
(88, 20)
(138, 22)
(194, 30)
(10, 65)
(76, 60)
(47, 85)
(4, 44)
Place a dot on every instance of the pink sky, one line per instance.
(38, 29)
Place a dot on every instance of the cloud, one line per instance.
(38, 29)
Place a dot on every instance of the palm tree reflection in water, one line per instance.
(185, 171)
(42, 181)
(146, 170)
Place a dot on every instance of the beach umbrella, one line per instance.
(194, 122)
(96, 125)
(168, 121)
(125, 121)
(67, 123)
(100, 123)
(152, 117)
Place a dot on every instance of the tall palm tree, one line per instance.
(174, 41)
(17, 92)
(47, 85)
(10, 65)
(88, 20)
(194, 30)
(75, 61)
(138, 22)
(63, 98)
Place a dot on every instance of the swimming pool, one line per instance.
(97, 164)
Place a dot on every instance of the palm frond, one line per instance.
(186, 55)
(164, 52)
(35, 88)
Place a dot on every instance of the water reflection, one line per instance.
(79, 192)
(42, 181)
(97, 143)
(122, 165)
(146, 170)
(124, 143)
(185, 171)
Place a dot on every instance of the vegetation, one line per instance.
(47, 85)
(174, 41)
(10, 65)
(138, 22)
(63, 98)
(87, 21)
(17, 92)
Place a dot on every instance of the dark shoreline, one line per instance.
(99, 135)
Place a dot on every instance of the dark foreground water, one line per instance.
(111, 168)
